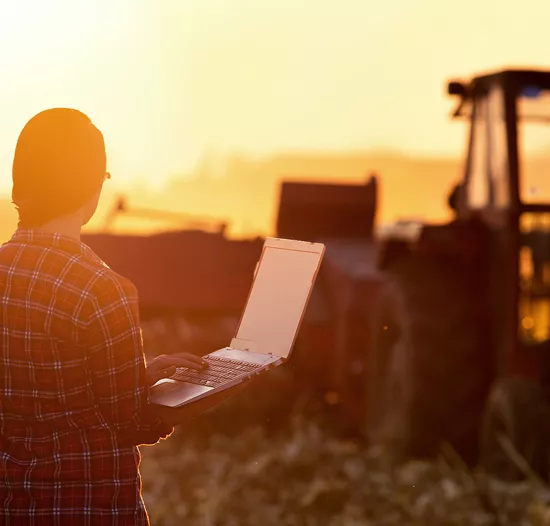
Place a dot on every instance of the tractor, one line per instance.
(418, 336)
(460, 349)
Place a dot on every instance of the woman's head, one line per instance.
(58, 168)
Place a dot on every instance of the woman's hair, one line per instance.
(59, 164)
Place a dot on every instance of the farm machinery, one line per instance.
(424, 335)
(461, 328)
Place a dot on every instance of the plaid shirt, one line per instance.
(73, 393)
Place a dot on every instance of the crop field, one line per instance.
(303, 476)
(236, 467)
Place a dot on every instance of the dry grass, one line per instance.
(305, 477)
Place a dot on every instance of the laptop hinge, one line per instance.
(244, 345)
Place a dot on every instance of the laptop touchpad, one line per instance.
(173, 393)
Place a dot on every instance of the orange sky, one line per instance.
(166, 80)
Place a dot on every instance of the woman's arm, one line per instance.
(120, 376)
(112, 337)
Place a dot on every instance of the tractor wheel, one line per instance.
(429, 369)
(517, 414)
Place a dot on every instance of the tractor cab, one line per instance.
(507, 186)
(461, 330)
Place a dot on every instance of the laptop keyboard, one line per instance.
(219, 371)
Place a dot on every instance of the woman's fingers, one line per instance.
(165, 365)
(177, 360)
(191, 358)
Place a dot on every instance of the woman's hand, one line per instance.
(164, 366)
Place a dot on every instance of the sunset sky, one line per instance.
(166, 80)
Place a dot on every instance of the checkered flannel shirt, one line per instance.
(73, 393)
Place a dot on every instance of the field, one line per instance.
(293, 470)
(305, 476)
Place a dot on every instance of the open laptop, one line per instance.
(282, 284)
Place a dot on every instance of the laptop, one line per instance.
(281, 288)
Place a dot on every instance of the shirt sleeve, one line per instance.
(115, 354)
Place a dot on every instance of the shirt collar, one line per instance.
(50, 240)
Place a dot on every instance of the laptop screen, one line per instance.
(277, 300)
